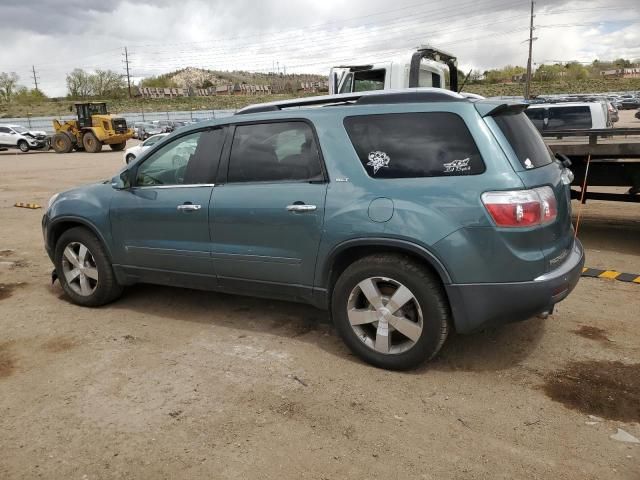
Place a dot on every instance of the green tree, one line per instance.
(106, 83)
(23, 95)
(78, 84)
(161, 81)
(8, 84)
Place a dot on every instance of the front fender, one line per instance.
(87, 206)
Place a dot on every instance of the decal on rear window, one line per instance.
(457, 165)
(378, 160)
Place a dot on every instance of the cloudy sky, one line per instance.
(301, 36)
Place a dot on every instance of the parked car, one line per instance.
(132, 153)
(406, 214)
(569, 116)
(146, 130)
(614, 116)
(16, 136)
(629, 103)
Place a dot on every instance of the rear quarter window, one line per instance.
(410, 145)
(569, 118)
(524, 139)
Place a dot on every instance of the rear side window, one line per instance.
(274, 152)
(524, 139)
(565, 118)
(408, 145)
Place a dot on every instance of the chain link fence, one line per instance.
(46, 123)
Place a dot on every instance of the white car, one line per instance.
(569, 115)
(16, 136)
(132, 153)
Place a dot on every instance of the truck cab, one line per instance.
(426, 67)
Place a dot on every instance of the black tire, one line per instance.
(23, 146)
(130, 158)
(91, 143)
(428, 293)
(62, 143)
(106, 288)
(118, 147)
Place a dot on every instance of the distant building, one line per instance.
(633, 72)
(159, 92)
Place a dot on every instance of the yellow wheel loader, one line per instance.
(93, 129)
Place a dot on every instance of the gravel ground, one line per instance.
(169, 383)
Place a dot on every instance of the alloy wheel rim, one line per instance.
(79, 269)
(385, 315)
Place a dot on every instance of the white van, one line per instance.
(569, 116)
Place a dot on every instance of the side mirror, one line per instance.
(122, 181)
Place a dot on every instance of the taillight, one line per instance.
(521, 208)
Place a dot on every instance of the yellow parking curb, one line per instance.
(32, 206)
(611, 275)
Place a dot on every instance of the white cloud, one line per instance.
(304, 36)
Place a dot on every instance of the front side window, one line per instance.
(4, 130)
(406, 145)
(168, 166)
(274, 152)
(565, 118)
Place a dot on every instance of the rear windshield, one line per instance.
(525, 140)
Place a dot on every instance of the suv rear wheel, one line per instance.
(390, 311)
(84, 269)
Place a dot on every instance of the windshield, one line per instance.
(20, 129)
(97, 109)
(524, 139)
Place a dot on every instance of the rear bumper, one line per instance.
(482, 305)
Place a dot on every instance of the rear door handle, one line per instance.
(301, 208)
(188, 207)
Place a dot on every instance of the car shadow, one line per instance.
(496, 349)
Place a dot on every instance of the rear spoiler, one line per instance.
(492, 108)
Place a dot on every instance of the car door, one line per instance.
(161, 224)
(267, 217)
(5, 136)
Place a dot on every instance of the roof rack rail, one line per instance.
(409, 95)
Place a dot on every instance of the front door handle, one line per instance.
(301, 208)
(189, 207)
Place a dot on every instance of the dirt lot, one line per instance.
(171, 383)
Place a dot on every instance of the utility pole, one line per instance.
(126, 62)
(35, 77)
(527, 88)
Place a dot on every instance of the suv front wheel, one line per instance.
(390, 311)
(84, 269)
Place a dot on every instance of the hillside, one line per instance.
(201, 78)
(61, 107)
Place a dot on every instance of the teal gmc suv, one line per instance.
(404, 213)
